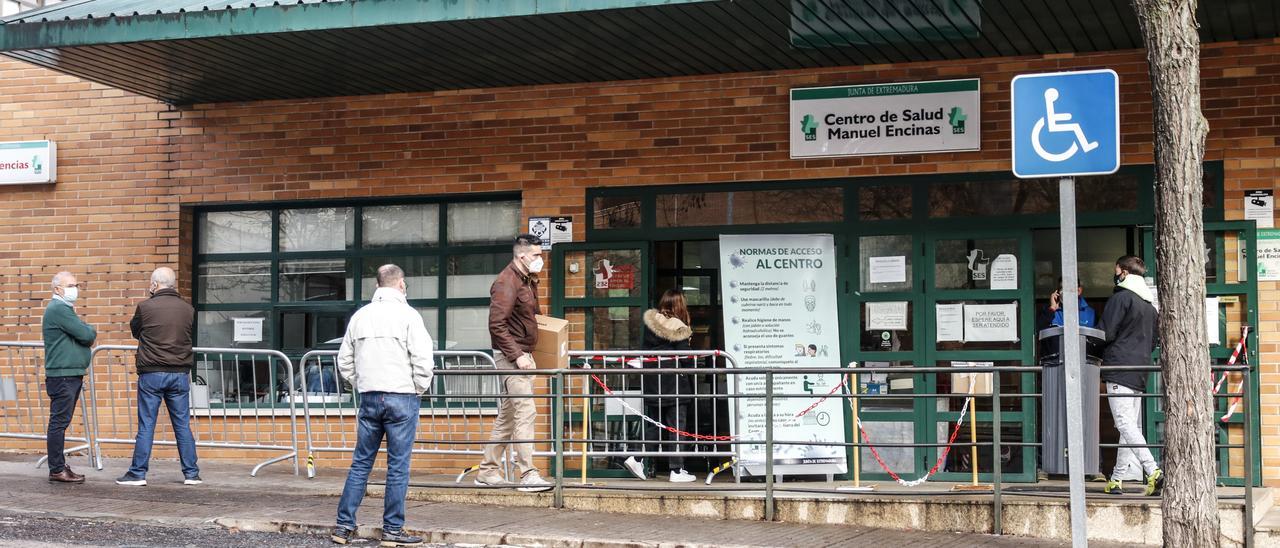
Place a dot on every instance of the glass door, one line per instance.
(979, 301)
(1231, 291)
(602, 289)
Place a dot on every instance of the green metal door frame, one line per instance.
(1247, 235)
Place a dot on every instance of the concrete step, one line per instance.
(1129, 519)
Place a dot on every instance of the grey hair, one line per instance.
(389, 275)
(164, 277)
(59, 277)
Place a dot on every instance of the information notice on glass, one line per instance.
(780, 311)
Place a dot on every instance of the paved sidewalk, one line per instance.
(279, 501)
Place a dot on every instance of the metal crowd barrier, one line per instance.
(236, 398)
(614, 426)
(458, 410)
(24, 404)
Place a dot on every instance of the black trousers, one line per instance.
(674, 413)
(64, 393)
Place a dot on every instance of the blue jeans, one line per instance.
(395, 415)
(175, 390)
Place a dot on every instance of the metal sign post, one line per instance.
(1071, 358)
(1065, 125)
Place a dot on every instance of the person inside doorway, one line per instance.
(1129, 320)
(1053, 315)
(667, 328)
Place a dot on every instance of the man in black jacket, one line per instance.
(1130, 321)
(162, 325)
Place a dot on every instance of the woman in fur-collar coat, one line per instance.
(667, 328)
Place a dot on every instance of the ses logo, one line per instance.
(955, 117)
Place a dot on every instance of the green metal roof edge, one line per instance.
(281, 18)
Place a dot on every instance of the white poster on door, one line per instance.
(950, 322)
(887, 316)
(1004, 272)
(991, 322)
(780, 311)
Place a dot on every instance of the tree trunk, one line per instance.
(1190, 503)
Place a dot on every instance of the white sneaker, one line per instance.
(682, 477)
(636, 467)
(533, 483)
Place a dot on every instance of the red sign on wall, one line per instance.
(611, 276)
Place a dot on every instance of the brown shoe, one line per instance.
(66, 476)
(78, 477)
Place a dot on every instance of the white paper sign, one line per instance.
(28, 162)
(888, 270)
(1259, 206)
(890, 118)
(1004, 272)
(1211, 320)
(950, 318)
(1269, 255)
(890, 316)
(561, 231)
(247, 330)
(991, 322)
(541, 227)
(780, 301)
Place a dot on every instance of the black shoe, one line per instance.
(131, 481)
(193, 480)
(342, 535)
(399, 538)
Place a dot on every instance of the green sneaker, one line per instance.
(1114, 487)
(1155, 484)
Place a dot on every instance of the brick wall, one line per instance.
(129, 165)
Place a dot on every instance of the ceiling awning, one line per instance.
(194, 51)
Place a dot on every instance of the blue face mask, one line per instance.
(70, 294)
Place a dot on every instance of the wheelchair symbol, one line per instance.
(1058, 123)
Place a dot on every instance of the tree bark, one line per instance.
(1190, 504)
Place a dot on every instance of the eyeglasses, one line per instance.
(79, 285)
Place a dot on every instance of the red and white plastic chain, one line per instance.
(1241, 350)
(946, 450)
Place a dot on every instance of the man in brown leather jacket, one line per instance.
(514, 332)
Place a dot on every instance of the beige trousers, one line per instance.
(516, 417)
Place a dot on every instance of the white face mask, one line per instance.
(70, 294)
(535, 266)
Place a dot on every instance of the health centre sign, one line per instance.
(916, 117)
(779, 296)
(27, 162)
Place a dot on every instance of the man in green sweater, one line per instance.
(67, 340)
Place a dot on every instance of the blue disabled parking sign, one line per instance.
(1066, 124)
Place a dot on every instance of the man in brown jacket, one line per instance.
(513, 303)
(162, 325)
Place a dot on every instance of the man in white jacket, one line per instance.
(387, 356)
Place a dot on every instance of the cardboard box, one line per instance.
(981, 383)
(552, 349)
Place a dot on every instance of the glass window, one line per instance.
(616, 212)
(322, 229)
(991, 198)
(431, 318)
(882, 326)
(217, 329)
(480, 223)
(1106, 193)
(979, 325)
(614, 273)
(886, 263)
(966, 264)
(884, 202)
(799, 205)
(701, 254)
(401, 225)
(234, 282)
(616, 327)
(235, 232)
(471, 275)
(879, 385)
(468, 328)
(421, 275)
(315, 280)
